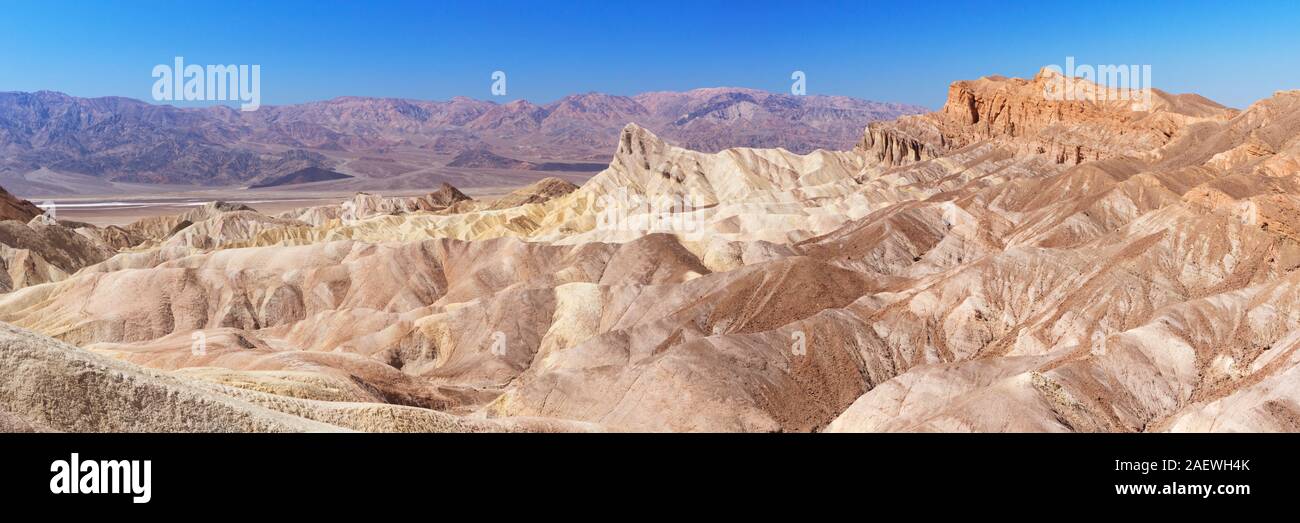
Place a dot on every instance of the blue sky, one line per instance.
(891, 51)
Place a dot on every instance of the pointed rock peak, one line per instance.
(635, 134)
(1047, 71)
(637, 144)
(537, 192)
(552, 186)
(448, 194)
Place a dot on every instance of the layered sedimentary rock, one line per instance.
(364, 205)
(540, 192)
(955, 273)
(1070, 121)
(36, 248)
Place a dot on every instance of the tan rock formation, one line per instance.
(1009, 263)
(1030, 118)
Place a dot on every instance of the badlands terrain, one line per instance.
(1007, 263)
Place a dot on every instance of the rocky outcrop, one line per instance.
(445, 196)
(43, 251)
(446, 199)
(542, 191)
(14, 208)
(891, 143)
(160, 228)
(1099, 123)
(49, 385)
(969, 278)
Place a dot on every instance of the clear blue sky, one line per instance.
(904, 51)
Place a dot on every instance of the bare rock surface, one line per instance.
(1009, 263)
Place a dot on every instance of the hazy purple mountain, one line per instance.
(125, 140)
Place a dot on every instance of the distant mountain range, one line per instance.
(116, 139)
